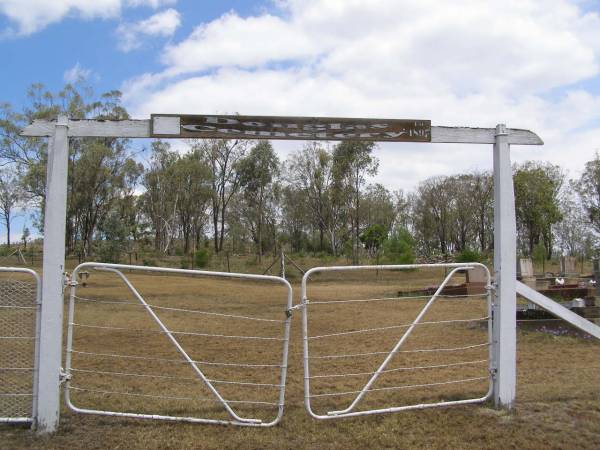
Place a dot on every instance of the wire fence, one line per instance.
(176, 344)
(19, 304)
(386, 353)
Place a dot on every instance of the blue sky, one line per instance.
(528, 63)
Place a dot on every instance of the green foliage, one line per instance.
(399, 247)
(588, 188)
(537, 188)
(469, 255)
(201, 258)
(111, 248)
(538, 255)
(373, 238)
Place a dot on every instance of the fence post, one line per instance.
(505, 260)
(52, 284)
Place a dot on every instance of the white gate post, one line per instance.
(52, 284)
(505, 268)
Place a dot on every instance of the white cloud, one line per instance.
(160, 24)
(76, 73)
(467, 62)
(31, 16)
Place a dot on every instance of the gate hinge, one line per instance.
(289, 311)
(63, 377)
(68, 281)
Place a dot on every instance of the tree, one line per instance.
(97, 167)
(222, 156)
(310, 171)
(588, 188)
(11, 196)
(25, 237)
(433, 214)
(257, 172)
(352, 163)
(161, 196)
(399, 247)
(193, 180)
(373, 238)
(378, 207)
(537, 190)
(574, 233)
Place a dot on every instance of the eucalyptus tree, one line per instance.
(353, 162)
(222, 157)
(588, 188)
(537, 195)
(161, 196)
(258, 171)
(378, 208)
(432, 215)
(310, 171)
(11, 197)
(193, 184)
(96, 166)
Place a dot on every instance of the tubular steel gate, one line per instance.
(339, 385)
(159, 380)
(20, 304)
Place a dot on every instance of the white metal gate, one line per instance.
(386, 356)
(196, 368)
(19, 344)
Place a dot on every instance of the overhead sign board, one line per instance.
(293, 128)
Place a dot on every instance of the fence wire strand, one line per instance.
(168, 397)
(422, 350)
(165, 308)
(181, 361)
(369, 330)
(407, 386)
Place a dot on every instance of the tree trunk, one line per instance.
(260, 214)
(7, 220)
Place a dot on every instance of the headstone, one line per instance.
(526, 271)
(525, 267)
(476, 281)
(567, 265)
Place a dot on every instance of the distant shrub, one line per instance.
(201, 257)
(469, 255)
(399, 247)
(538, 255)
(185, 264)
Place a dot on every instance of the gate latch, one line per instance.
(288, 312)
(63, 377)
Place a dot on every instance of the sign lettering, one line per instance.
(305, 128)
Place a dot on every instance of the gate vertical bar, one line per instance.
(48, 406)
(505, 266)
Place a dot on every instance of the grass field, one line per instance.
(558, 394)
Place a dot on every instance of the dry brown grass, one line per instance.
(558, 394)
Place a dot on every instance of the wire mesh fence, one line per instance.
(19, 305)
